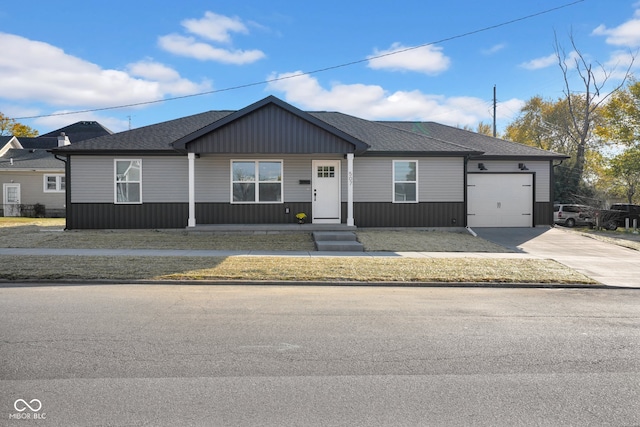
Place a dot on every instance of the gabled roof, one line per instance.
(359, 145)
(29, 159)
(80, 131)
(367, 137)
(489, 146)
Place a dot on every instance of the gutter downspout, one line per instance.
(67, 190)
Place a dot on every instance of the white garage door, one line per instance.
(500, 200)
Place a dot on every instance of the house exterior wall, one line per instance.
(32, 190)
(440, 179)
(165, 192)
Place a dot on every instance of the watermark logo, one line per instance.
(21, 405)
(34, 406)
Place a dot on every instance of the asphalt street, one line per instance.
(285, 355)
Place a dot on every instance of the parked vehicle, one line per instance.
(571, 215)
(617, 214)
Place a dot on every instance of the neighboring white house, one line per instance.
(33, 179)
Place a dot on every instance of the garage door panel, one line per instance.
(500, 200)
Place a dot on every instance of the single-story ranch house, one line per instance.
(270, 161)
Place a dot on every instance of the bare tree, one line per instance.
(583, 104)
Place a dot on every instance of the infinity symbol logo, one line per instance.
(24, 405)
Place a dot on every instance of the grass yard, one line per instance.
(324, 269)
(47, 233)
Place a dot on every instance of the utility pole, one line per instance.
(494, 111)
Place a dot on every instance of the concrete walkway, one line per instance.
(609, 264)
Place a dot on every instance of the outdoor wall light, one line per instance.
(481, 167)
(523, 167)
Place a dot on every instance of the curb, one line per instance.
(292, 283)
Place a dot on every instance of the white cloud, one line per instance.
(538, 63)
(494, 49)
(189, 47)
(215, 27)
(625, 34)
(375, 103)
(39, 72)
(425, 59)
(212, 27)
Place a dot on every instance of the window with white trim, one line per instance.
(54, 183)
(256, 181)
(128, 180)
(405, 181)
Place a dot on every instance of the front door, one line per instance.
(326, 192)
(11, 199)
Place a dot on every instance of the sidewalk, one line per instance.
(215, 253)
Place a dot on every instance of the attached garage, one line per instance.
(500, 199)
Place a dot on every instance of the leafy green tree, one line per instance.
(625, 171)
(9, 126)
(621, 116)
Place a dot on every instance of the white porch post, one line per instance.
(350, 221)
(192, 190)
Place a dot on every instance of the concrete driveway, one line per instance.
(607, 263)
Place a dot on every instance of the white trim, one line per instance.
(394, 182)
(115, 181)
(58, 177)
(257, 181)
(350, 177)
(191, 222)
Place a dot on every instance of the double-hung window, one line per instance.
(128, 181)
(405, 181)
(54, 183)
(256, 181)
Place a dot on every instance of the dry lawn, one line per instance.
(331, 269)
(46, 233)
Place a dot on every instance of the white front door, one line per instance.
(326, 192)
(11, 199)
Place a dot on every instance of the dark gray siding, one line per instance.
(270, 130)
(543, 213)
(226, 213)
(110, 216)
(447, 214)
(174, 215)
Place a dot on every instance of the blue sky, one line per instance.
(67, 56)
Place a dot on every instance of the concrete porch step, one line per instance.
(337, 241)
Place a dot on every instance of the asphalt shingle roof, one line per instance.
(489, 145)
(157, 137)
(80, 131)
(382, 137)
(40, 142)
(29, 159)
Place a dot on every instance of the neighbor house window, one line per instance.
(128, 182)
(54, 183)
(255, 181)
(405, 181)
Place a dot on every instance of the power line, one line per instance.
(307, 73)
